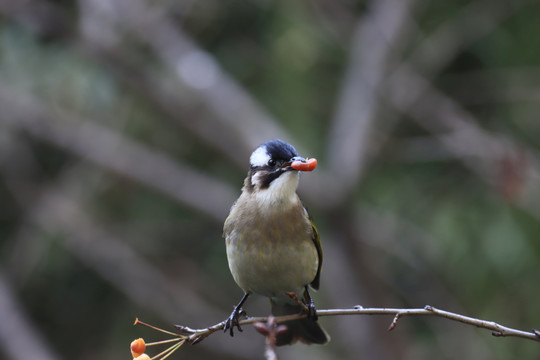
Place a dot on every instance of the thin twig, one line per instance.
(270, 330)
(498, 330)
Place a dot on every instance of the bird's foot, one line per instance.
(311, 310)
(307, 304)
(234, 320)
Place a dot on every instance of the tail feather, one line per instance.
(304, 330)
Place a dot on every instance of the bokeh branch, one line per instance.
(58, 212)
(18, 336)
(196, 69)
(106, 148)
(376, 38)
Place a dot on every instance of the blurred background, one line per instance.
(125, 132)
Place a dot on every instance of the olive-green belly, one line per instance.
(270, 257)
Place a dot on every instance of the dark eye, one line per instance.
(272, 162)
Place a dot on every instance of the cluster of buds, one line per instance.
(138, 346)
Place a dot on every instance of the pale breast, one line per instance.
(271, 254)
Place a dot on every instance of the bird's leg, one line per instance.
(311, 310)
(234, 320)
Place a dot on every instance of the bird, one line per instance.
(273, 248)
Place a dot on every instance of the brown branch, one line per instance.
(270, 330)
(498, 330)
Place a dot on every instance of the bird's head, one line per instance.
(273, 173)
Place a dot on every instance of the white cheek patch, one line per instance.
(259, 157)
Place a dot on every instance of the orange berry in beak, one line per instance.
(308, 165)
